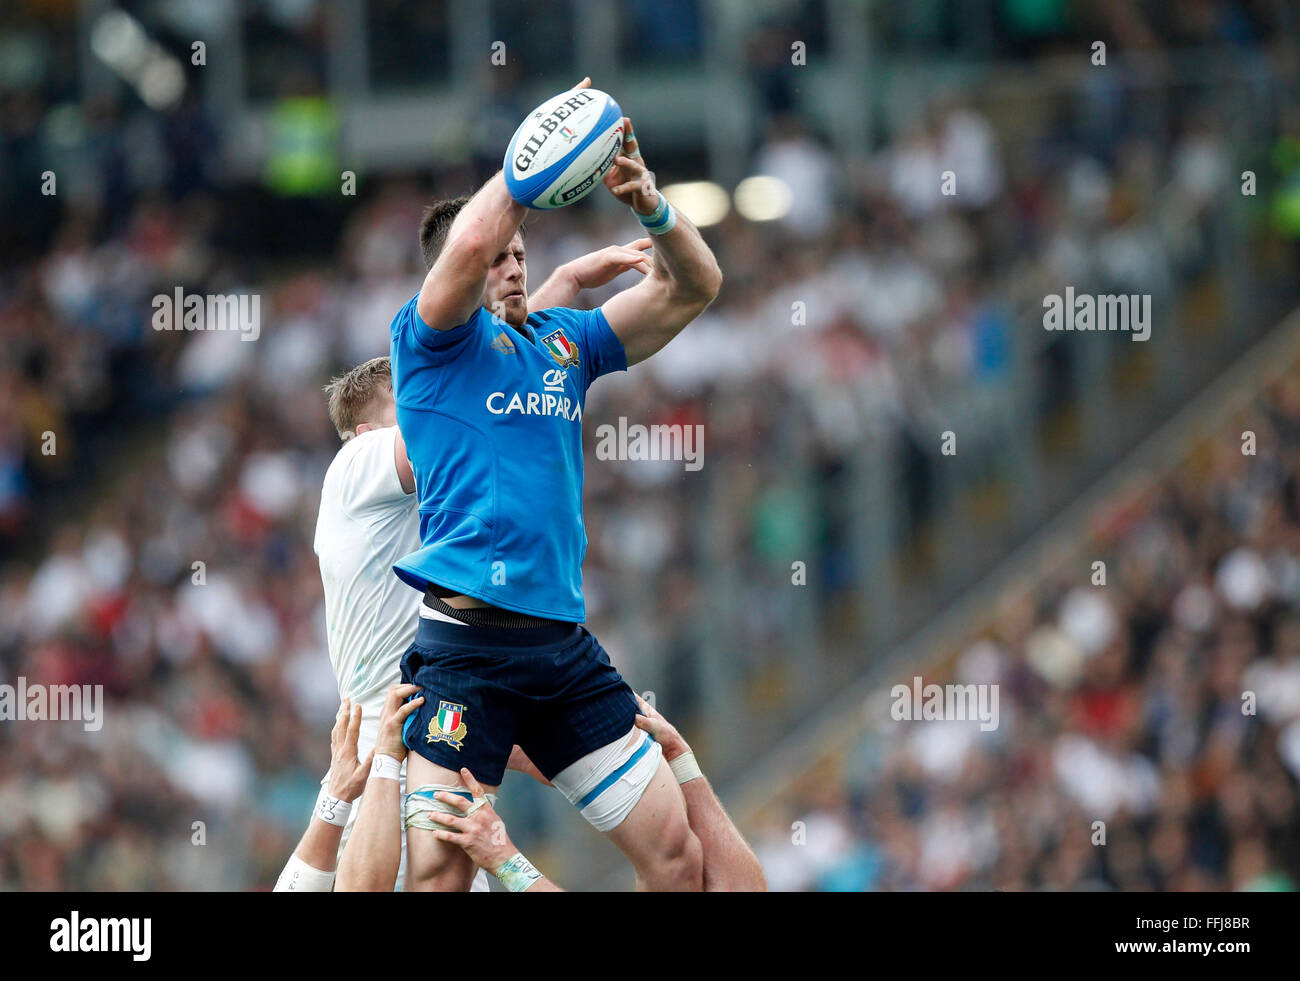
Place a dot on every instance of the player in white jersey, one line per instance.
(368, 520)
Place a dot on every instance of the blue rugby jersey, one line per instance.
(493, 425)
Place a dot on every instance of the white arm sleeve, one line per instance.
(298, 876)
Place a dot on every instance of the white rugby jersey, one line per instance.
(366, 523)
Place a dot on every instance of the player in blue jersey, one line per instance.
(489, 400)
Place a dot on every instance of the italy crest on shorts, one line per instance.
(448, 726)
(563, 350)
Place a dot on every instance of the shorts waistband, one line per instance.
(458, 636)
(479, 616)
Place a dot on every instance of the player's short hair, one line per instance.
(353, 394)
(435, 225)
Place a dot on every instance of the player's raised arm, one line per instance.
(311, 866)
(685, 276)
(374, 852)
(729, 863)
(480, 233)
(479, 236)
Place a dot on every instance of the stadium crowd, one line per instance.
(1149, 731)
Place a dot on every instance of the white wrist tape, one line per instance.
(331, 810)
(517, 873)
(385, 768)
(298, 876)
(685, 769)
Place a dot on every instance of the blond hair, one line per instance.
(353, 394)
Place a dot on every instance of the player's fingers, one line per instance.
(336, 733)
(370, 758)
(649, 710)
(628, 258)
(640, 244)
(470, 782)
(629, 137)
(455, 800)
(447, 820)
(628, 187)
(354, 728)
(443, 835)
(409, 707)
(392, 699)
(644, 724)
(584, 84)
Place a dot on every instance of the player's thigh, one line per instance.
(656, 835)
(466, 721)
(432, 865)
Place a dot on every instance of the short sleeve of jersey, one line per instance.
(413, 337)
(370, 482)
(600, 350)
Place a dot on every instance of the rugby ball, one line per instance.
(563, 148)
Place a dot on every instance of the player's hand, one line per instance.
(600, 267)
(348, 775)
(661, 730)
(393, 716)
(629, 179)
(477, 828)
(520, 762)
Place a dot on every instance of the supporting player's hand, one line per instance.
(393, 717)
(629, 179)
(598, 268)
(589, 271)
(661, 730)
(347, 774)
(477, 828)
(520, 762)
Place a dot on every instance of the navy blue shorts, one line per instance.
(550, 689)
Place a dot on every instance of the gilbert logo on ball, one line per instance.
(563, 148)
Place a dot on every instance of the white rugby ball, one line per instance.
(563, 148)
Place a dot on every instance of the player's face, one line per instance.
(506, 291)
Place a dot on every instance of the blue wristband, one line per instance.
(661, 220)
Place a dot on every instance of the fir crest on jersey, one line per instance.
(563, 350)
(448, 726)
